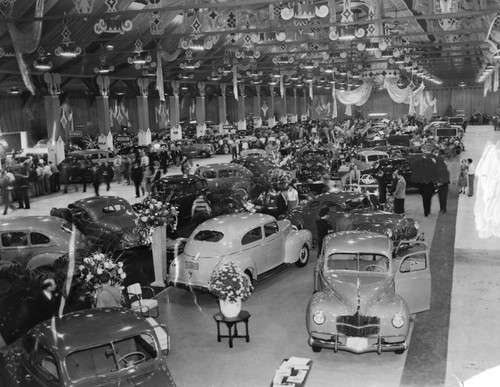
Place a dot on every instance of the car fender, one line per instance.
(385, 309)
(44, 259)
(332, 307)
(295, 239)
(247, 263)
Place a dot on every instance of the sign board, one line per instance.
(76, 133)
(122, 138)
(303, 117)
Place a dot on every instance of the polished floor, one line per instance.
(457, 339)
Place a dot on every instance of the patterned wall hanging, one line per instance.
(156, 19)
(304, 10)
(112, 24)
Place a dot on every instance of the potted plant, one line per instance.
(231, 286)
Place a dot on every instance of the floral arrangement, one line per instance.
(229, 283)
(154, 213)
(93, 267)
(286, 163)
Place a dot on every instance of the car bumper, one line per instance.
(376, 343)
(188, 286)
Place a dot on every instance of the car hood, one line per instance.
(359, 291)
(377, 217)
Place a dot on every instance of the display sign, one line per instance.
(122, 138)
(76, 133)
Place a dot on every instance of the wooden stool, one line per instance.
(230, 323)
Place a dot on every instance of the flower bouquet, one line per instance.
(231, 286)
(93, 267)
(154, 213)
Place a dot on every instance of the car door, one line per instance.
(253, 248)
(413, 277)
(273, 241)
(14, 245)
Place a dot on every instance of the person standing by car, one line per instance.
(292, 196)
(399, 194)
(382, 188)
(7, 181)
(323, 227)
(96, 178)
(470, 177)
(118, 164)
(22, 186)
(186, 165)
(108, 174)
(137, 176)
(108, 296)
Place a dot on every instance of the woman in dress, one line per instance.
(462, 178)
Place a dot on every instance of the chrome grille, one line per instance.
(358, 326)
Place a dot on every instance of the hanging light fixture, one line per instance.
(67, 48)
(103, 68)
(14, 90)
(42, 63)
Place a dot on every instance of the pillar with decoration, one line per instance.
(271, 102)
(200, 111)
(102, 104)
(53, 106)
(293, 106)
(175, 130)
(241, 107)
(222, 103)
(256, 103)
(142, 109)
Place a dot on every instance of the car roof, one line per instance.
(358, 241)
(31, 222)
(220, 166)
(180, 178)
(227, 224)
(97, 201)
(341, 196)
(88, 328)
(371, 152)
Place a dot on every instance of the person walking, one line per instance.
(427, 190)
(470, 177)
(126, 168)
(7, 181)
(323, 227)
(108, 174)
(462, 178)
(137, 176)
(399, 194)
(118, 165)
(281, 203)
(96, 177)
(186, 165)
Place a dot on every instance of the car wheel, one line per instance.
(204, 154)
(315, 348)
(303, 256)
(399, 351)
(249, 275)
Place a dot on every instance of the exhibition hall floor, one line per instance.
(453, 341)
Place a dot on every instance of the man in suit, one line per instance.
(323, 227)
(399, 194)
(281, 203)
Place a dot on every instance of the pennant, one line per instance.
(235, 83)
(159, 77)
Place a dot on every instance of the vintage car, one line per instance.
(257, 243)
(92, 347)
(254, 152)
(191, 148)
(365, 159)
(181, 190)
(442, 130)
(106, 221)
(94, 155)
(363, 296)
(359, 211)
(37, 241)
(313, 164)
(258, 165)
(226, 175)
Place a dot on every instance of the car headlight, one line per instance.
(319, 317)
(416, 225)
(388, 232)
(398, 320)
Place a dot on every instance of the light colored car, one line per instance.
(254, 152)
(96, 347)
(257, 243)
(366, 158)
(36, 240)
(226, 175)
(364, 295)
(192, 148)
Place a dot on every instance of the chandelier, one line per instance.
(42, 63)
(67, 48)
(304, 10)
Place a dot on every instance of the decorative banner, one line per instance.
(156, 19)
(66, 42)
(83, 7)
(235, 82)
(113, 24)
(159, 77)
(66, 117)
(103, 83)
(143, 84)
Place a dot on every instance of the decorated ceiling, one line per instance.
(127, 46)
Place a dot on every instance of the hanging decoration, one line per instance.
(303, 9)
(103, 83)
(84, 7)
(119, 112)
(493, 35)
(112, 24)
(66, 119)
(175, 88)
(235, 82)
(27, 42)
(156, 19)
(162, 115)
(6, 7)
(140, 59)
(103, 68)
(6, 54)
(143, 84)
(53, 82)
(444, 7)
(159, 77)
(66, 48)
(190, 65)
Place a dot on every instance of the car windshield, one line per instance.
(111, 357)
(446, 132)
(359, 262)
(208, 236)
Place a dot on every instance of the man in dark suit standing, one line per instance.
(323, 227)
(281, 203)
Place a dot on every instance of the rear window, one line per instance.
(209, 174)
(208, 236)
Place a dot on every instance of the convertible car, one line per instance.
(94, 347)
(363, 296)
(257, 243)
(353, 211)
(106, 221)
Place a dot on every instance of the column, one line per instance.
(256, 103)
(293, 108)
(271, 102)
(303, 105)
(142, 110)
(222, 104)
(284, 113)
(200, 105)
(175, 130)
(241, 104)
(103, 119)
(52, 118)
